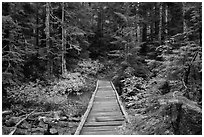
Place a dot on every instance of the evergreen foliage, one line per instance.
(152, 51)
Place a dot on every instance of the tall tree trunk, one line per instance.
(144, 32)
(184, 21)
(177, 110)
(148, 27)
(37, 24)
(100, 25)
(138, 33)
(152, 24)
(5, 64)
(47, 32)
(200, 28)
(138, 24)
(127, 46)
(166, 21)
(145, 29)
(160, 21)
(64, 69)
(156, 25)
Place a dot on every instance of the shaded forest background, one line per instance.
(152, 52)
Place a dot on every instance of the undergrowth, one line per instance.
(157, 104)
(69, 94)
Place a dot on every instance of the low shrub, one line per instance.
(73, 83)
(89, 67)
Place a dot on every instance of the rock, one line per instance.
(164, 87)
(12, 121)
(54, 131)
(25, 125)
(41, 124)
(73, 124)
(37, 131)
(57, 115)
(21, 131)
(50, 130)
(63, 124)
(74, 119)
(6, 130)
(63, 118)
(130, 104)
(46, 119)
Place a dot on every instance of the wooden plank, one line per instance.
(106, 110)
(101, 108)
(103, 103)
(98, 124)
(100, 133)
(120, 103)
(105, 88)
(106, 97)
(106, 113)
(106, 118)
(105, 107)
(102, 128)
(106, 101)
(84, 117)
(108, 94)
(101, 91)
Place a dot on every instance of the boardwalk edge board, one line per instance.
(120, 103)
(84, 117)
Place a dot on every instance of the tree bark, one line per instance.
(176, 123)
(47, 32)
(37, 24)
(184, 21)
(64, 69)
(156, 25)
(5, 48)
(138, 34)
(152, 25)
(138, 24)
(166, 21)
(100, 25)
(160, 21)
(144, 32)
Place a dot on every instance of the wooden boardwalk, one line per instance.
(104, 113)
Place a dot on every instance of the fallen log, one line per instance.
(7, 112)
(16, 126)
(175, 98)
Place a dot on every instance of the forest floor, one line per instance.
(55, 115)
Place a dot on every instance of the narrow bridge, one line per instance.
(104, 113)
